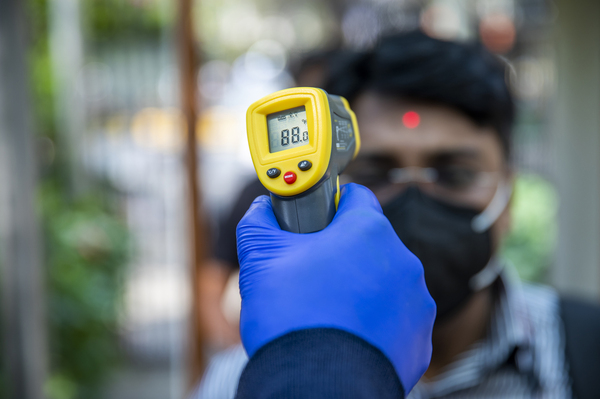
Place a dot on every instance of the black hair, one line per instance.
(412, 65)
(325, 61)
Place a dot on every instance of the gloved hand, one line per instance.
(355, 275)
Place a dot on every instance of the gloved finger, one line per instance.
(260, 214)
(354, 197)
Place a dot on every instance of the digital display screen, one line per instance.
(287, 129)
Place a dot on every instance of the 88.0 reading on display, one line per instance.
(287, 129)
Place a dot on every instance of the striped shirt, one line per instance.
(522, 356)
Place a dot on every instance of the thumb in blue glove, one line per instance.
(355, 275)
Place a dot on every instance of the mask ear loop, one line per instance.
(483, 222)
(492, 212)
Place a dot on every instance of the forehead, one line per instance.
(441, 129)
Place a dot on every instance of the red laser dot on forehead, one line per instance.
(411, 119)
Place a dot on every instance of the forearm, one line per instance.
(319, 363)
(212, 281)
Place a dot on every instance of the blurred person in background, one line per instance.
(436, 120)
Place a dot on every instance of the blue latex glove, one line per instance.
(355, 275)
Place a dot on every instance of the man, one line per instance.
(435, 120)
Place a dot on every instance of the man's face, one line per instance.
(447, 155)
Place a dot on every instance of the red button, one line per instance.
(289, 177)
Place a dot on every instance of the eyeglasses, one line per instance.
(453, 183)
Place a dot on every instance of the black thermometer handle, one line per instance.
(310, 211)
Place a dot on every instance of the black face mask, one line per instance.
(442, 237)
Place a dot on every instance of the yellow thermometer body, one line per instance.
(301, 140)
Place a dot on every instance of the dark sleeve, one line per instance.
(319, 363)
(581, 321)
(225, 246)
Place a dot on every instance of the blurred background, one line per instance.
(103, 103)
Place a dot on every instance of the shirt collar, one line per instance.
(509, 339)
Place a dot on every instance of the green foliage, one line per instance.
(108, 20)
(530, 244)
(86, 250)
(40, 67)
(59, 386)
(86, 242)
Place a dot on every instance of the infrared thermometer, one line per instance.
(301, 140)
